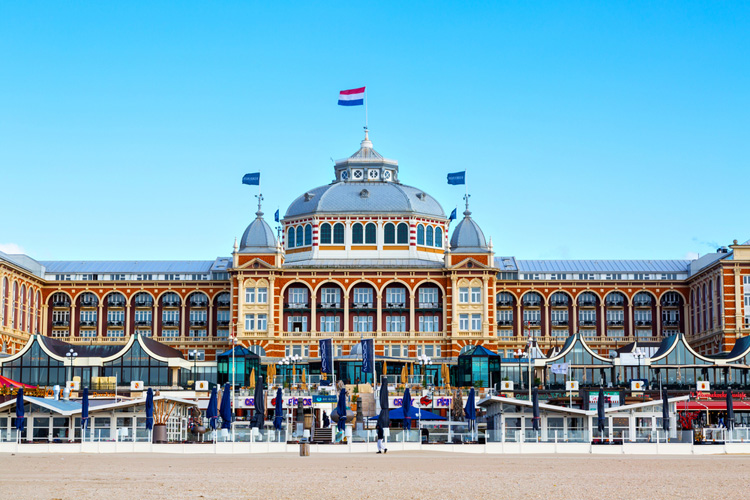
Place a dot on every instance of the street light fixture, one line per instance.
(639, 354)
(194, 353)
(424, 360)
(71, 355)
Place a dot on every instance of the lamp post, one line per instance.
(639, 354)
(194, 353)
(71, 355)
(424, 360)
(519, 354)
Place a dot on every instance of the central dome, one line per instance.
(366, 183)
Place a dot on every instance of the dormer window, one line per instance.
(364, 194)
(309, 196)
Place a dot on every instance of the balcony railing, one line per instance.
(561, 322)
(615, 322)
(362, 305)
(558, 302)
(671, 322)
(144, 303)
(222, 322)
(88, 323)
(532, 322)
(143, 322)
(671, 303)
(61, 323)
(615, 302)
(505, 322)
(171, 322)
(89, 303)
(642, 303)
(329, 305)
(296, 305)
(198, 303)
(171, 303)
(395, 305)
(197, 322)
(61, 303)
(532, 303)
(643, 322)
(223, 303)
(505, 303)
(429, 305)
(587, 303)
(587, 322)
(114, 322)
(116, 303)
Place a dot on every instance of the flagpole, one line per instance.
(365, 108)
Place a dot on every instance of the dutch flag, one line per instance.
(353, 97)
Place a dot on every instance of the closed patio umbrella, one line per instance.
(252, 378)
(84, 412)
(665, 411)
(150, 409)
(260, 405)
(601, 420)
(212, 411)
(19, 412)
(341, 410)
(447, 376)
(729, 421)
(225, 410)
(278, 411)
(406, 408)
(304, 377)
(471, 410)
(535, 421)
(384, 419)
(403, 375)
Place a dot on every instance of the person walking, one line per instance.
(381, 438)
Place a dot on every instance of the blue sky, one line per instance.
(588, 129)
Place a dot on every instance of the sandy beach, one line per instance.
(399, 475)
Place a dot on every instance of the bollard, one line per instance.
(304, 449)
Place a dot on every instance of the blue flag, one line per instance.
(453, 215)
(326, 356)
(276, 215)
(251, 179)
(368, 353)
(457, 178)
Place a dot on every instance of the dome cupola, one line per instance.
(468, 236)
(258, 237)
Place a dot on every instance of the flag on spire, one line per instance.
(251, 179)
(457, 178)
(353, 97)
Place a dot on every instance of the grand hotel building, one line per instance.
(369, 257)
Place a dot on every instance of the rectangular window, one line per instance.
(642, 316)
(476, 295)
(395, 323)
(170, 333)
(249, 322)
(505, 316)
(297, 296)
(88, 317)
(428, 297)
(532, 316)
(262, 322)
(506, 334)
(616, 316)
(116, 316)
(296, 324)
(396, 351)
(476, 322)
(330, 324)
(587, 316)
(60, 317)
(429, 323)
(249, 295)
(746, 290)
(142, 316)
(222, 333)
(198, 316)
(115, 333)
(222, 316)
(330, 297)
(198, 333)
(559, 317)
(88, 334)
(144, 333)
(463, 295)
(463, 322)
(170, 316)
(262, 295)
(363, 296)
(362, 323)
(395, 297)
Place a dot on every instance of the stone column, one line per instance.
(379, 318)
(345, 326)
(658, 320)
(412, 315)
(313, 313)
(100, 320)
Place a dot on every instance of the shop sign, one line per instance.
(611, 398)
(325, 398)
(717, 395)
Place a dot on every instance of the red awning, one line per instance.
(712, 405)
(6, 382)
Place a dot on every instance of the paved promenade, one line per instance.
(397, 475)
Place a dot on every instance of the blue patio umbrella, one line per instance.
(535, 409)
(225, 410)
(19, 411)
(278, 411)
(341, 410)
(601, 421)
(259, 402)
(398, 414)
(729, 421)
(212, 412)
(84, 411)
(406, 408)
(665, 410)
(150, 409)
(471, 410)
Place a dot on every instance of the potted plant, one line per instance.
(538, 382)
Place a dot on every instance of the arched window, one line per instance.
(371, 234)
(438, 237)
(4, 302)
(14, 306)
(38, 311)
(22, 309)
(357, 236)
(389, 234)
(300, 237)
(30, 311)
(338, 234)
(428, 236)
(325, 234)
(290, 238)
(308, 235)
(420, 234)
(402, 234)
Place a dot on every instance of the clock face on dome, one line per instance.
(373, 174)
(344, 175)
